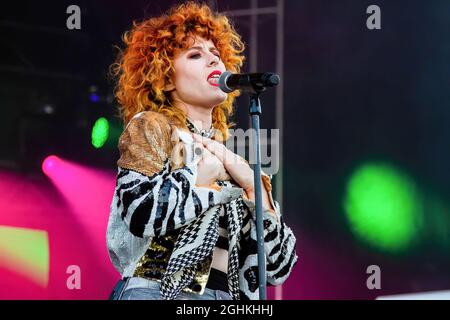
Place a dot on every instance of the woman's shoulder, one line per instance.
(149, 123)
(145, 143)
(151, 118)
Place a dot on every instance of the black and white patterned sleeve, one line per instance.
(279, 241)
(150, 197)
(153, 206)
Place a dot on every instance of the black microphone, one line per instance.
(249, 82)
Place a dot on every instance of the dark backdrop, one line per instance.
(350, 95)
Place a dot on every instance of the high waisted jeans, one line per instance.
(143, 289)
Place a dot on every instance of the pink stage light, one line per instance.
(40, 236)
(88, 190)
(88, 193)
(72, 205)
(49, 164)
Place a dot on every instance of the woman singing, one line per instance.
(182, 221)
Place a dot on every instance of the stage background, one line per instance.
(366, 143)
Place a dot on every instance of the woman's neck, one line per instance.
(201, 117)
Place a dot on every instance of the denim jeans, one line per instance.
(143, 289)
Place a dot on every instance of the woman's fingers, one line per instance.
(207, 156)
(204, 153)
(218, 149)
(227, 157)
(235, 165)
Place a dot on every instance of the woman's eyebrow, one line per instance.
(201, 48)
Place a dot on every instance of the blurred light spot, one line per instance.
(26, 252)
(100, 132)
(383, 207)
(48, 109)
(49, 164)
(93, 97)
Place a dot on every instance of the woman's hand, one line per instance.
(234, 164)
(209, 167)
(238, 168)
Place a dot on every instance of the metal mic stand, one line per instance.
(254, 85)
(255, 112)
(256, 88)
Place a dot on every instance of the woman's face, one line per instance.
(196, 77)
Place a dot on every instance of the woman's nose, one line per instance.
(214, 60)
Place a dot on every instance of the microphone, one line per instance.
(249, 82)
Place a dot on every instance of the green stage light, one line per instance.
(383, 207)
(26, 252)
(100, 132)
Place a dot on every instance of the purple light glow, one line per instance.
(94, 97)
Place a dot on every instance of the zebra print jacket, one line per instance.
(156, 206)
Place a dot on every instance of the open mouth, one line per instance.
(213, 78)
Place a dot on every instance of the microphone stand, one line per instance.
(254, 85)
(255, 112)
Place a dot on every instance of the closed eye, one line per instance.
(197, 55)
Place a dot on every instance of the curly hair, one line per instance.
(145, 66)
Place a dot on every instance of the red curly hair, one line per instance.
(145, 66)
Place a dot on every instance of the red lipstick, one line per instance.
(215, 72)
